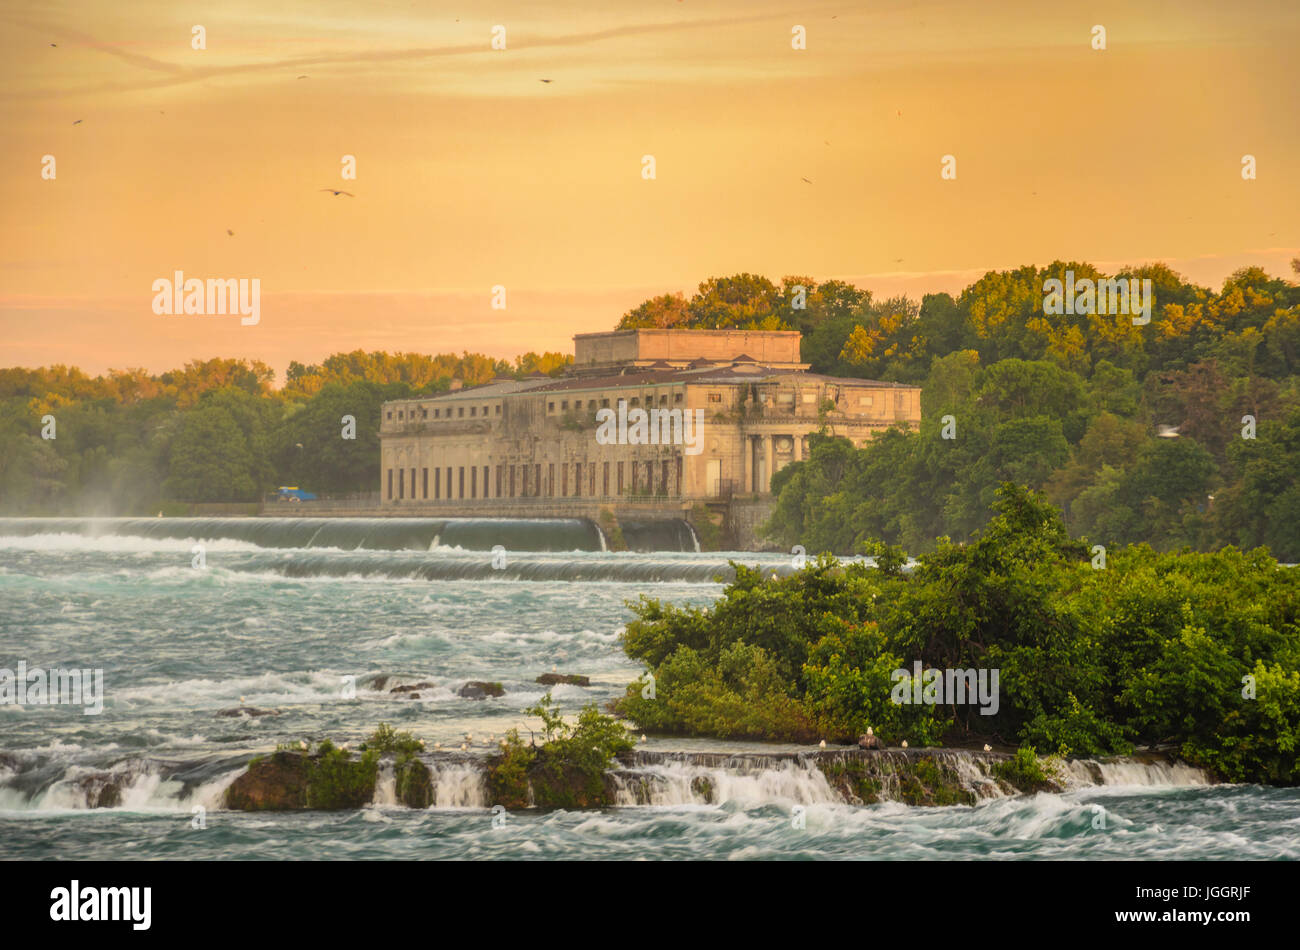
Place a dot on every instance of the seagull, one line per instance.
(987, 747)
(338, 191)
(807, 180)
(230, 232)
(302, 745)
(904, 743)
(643, 737)
(822, 744)
(546, 80)
(469, 737)
(54, 44)
(438, 746)
(304, 77)
(78, 122)
(241, 700)
(464, 747)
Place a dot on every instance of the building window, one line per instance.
(473, 411)
(401, 483)
(437, 413)
(564, 480)
(460, 412)
(460, 478)
(473, 481)
(604, 404)
(449, 494)
(424, 478)
(591, 478)
(412, 484)
(498, 412)
(537, 479)
(636, 401)
(620, 478)
(604, 479)
(663, 400)
(390, 413)
(677, 397)
(577, 404)
(486, 492)
(550, 479)
(550, 407)
(399, 414)
(715, 397)
(577, 478)
(679, 475)
(437, 483)
(564, 404)
(663, 485)
(390, 484)
(485, 410)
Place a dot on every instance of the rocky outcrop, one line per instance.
(274, 783)
(571, 679)
(102, 790)
(476, 689)
(246, 711)
(423, 684)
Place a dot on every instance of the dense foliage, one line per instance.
(1139, 433)
(215, 431)
(1196, 650)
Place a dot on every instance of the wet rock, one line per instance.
(275, 783)
(572, 679)
(476, 689)
(870, 742)
(414, 784)
(246, 711)
(423, 684)
(379, 682)
(101, 790)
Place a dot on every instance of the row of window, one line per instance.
(530, 481)
(604, 403)
(440, 413)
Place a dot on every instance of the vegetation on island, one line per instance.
(1197, 651)
(567, 770)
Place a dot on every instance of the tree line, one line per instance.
(131, 442)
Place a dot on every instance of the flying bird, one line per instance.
(338, 191)
(230, 232)
(304, 77)
(807, 180)
(546, 80)
(78, 121)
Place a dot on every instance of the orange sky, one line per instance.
(471, 172)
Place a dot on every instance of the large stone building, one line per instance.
(537, 445)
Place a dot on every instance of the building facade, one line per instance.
(542, 441)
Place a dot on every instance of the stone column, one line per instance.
(747, 463)
(798, 447)
(769, 461)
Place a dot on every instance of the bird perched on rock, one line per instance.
(987, 747)
(464, 747)
(643, 737)
(904, 743)
(302, 745)
(437, 746)
(241, 700)
(822, 744)
(870, 740)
